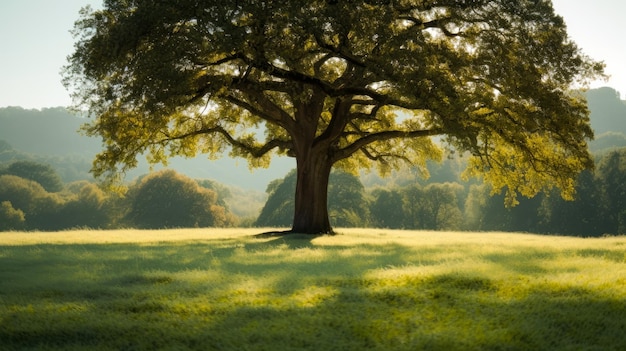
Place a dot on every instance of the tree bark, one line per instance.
(311, 198)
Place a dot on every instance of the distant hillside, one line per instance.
(608, 111)
(53, 132)
(50, 132)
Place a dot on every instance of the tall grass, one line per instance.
(363, 289)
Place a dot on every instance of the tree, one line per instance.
(167, 199)
(586, 216)
(10, 218)
(39, 208)
(387, 209)
(347, 206)
(351, 84)
(88, 206)
(485, 211)
(612, 179)
(436, 206)
(346, 201)
(279, 207)
(40, 173)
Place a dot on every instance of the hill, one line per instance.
(52, 132)
(608, 111)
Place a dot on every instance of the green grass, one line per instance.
(361, 290)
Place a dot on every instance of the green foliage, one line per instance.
(387, 209)
(355, 85)
(279, 207)
(435, 206)
(360, 290)
(39, 207)
(88, 206)
(167, 199)
(29, 206)
(162, 199)
(40, 173)
(612, 177)
(597, 209)
(587, 215)
(222, 191)
(346, 201)
(347, 205)
(10, 218)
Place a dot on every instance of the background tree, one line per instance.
(40, 173)
(346, 202)
(279, 207)
(437, 206)
(587, 215)
(486, 211)
(10, 218)
(347, 205)
(222, 191)
(40, 208)
(350, 84)
(87, 206)
(167, 199)
(612, 179)
(387, 209)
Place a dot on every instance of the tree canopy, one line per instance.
(351, 84)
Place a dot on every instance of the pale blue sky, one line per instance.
(35, 41)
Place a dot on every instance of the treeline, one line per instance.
(51, 190)
(599, 207)
(32, 197)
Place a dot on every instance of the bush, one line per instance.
(40, 208)
(40, 173)
(10, 218)
(167, 199)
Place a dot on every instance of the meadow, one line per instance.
(363, 289)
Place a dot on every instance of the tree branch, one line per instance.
(436, 23)
(382, 136)
(268, 111)
(252, 150)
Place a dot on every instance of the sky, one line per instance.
(35, 42)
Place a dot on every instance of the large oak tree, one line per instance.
(351, 84)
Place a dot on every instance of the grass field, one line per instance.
(363, 289)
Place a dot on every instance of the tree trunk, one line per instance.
(311, 198)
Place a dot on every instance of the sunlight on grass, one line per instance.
(225, 289)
